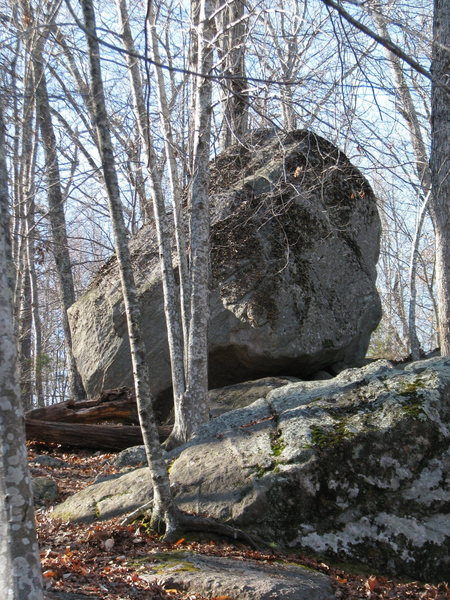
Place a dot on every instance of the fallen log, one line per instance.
(107, 422)
(117, 406)
(101, 437)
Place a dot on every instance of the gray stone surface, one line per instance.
(239, 579)
(240, 395)
(356, 467)
(295, 240)
(45, 460)
(45, 490)
(131, 457)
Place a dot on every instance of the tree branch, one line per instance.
(391, 46)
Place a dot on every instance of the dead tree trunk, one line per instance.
(104, 437)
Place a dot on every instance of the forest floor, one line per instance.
(98, 560)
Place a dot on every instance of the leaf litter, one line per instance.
(105, 559)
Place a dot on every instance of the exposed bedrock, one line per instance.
(356, 468)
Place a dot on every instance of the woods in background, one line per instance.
(359, 75)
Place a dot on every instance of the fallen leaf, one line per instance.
(371, 583)
(49, 573)
(341, 579)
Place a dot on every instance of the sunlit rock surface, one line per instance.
(295, 237)
(356, 467)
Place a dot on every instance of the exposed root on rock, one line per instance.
(185, 522)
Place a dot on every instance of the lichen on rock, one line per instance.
(294, 244)
(336, 467)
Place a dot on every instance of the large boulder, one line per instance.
(357, 467)
(295, 240)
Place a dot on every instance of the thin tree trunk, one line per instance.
(440, 165)
(169, 145)
(20, 570)
(423, 170)
(56, 216)
(22, 295)
(413, 339)
(34, 305)
(231, 33)
(165, 508)
(196, 401)
(24, 336)
(195, 7)
(171, 304)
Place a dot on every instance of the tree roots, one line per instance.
(181, 523)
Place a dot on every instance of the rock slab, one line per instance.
(213, 576)
(295, 240)
(355, 468)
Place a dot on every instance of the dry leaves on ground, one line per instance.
(104, 560)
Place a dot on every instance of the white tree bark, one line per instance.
(409, 112)
(169, 145)
(171, 303)
(191, 407)
(413, 339)
(197, 369)
(164, 507)
(20, 571)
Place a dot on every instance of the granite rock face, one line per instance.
(356, 468)
(295, 239)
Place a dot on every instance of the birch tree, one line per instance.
(188, 343)
(196, 407)
(163, 229)
(20, 571)
(165, 513)
(164, 509)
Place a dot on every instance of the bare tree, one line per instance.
(440, 165)
(164, 509)
(163, 229)
(411, 117)
(196, 408)
(231, 37)
(190, 386)
(20, 570)
(55, 196)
